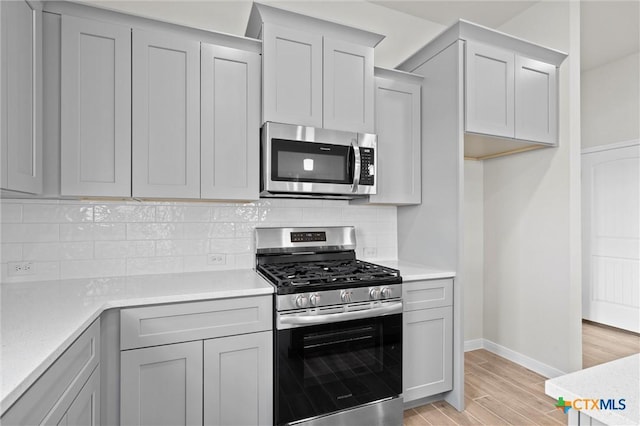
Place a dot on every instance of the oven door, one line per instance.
(325, 368)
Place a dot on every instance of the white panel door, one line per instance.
(398, 129)
(166, 116)
(536, 110)
(611, 237)
(348, 86)
(162, 385)
(95, 109)
(230, 123)
(85, 409)
(427, 352)
(238, 380)
(21, 96)
(292, 76)
(489, 77)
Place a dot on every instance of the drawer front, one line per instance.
(164, 324)
(427, 294)
(54, 391)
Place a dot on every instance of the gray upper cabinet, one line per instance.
(348, 86)
(95, 108)
(315, 73)
(230, 123)
(21, 96)
(510, 95)
(292, 76)
(166, 116)
(397, 118)
(490, 90)
(536, 100)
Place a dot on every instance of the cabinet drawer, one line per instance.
(59, 385)
(427, 294)
(164, 324)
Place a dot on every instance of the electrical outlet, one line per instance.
(19, 269)
(369, 252)
(216, 259)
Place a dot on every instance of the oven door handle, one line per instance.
(291, 321)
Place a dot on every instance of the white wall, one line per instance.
(473, 250)
(78, 239)
(610, 102)
(532, 217)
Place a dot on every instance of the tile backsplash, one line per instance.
(85, 239)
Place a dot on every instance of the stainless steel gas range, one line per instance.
(338, 329)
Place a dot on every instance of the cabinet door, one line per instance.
(489, 89)
(427, 352)
(238, 380)
(292, 76)
(21, 96)
(95, 109)
(398, 130)
(166, 115)
(536, 106)
(85, 409)
(162, 385)
(230, 123)
(348, 86)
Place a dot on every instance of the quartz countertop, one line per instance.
(619, 379)
(414, 272)
(39, 320)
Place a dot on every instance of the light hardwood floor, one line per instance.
(500, 392)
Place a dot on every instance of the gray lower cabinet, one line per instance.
(162, 385)
(68, 393)
(198, 363)
(85, 409)
(238, 380)
(427, 338)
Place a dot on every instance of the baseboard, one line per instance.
(472, 345)
(520, 359)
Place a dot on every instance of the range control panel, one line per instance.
(367, 166)
(305, 237)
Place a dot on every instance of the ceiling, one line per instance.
(609, 28)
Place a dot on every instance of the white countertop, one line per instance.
(39, 320)
(619, 379)
(415, 272)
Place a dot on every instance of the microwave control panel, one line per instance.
(367, 166)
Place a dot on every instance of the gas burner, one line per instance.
(299, 276)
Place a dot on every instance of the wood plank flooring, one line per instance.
(500, 392)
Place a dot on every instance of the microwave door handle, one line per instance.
(356, 166)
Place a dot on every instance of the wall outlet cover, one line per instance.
(216, 259)
(20, 269)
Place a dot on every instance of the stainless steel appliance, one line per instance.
(302, 162)
(338, 337)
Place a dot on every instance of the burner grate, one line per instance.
(335, 272)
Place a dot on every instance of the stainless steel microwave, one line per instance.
(308, 162)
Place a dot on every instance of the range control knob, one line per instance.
(314, 299)
(302, 301)
(385, 292)
(345, 295)
(374, 293)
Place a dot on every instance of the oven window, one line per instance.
(296, 161)
(325, 368)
